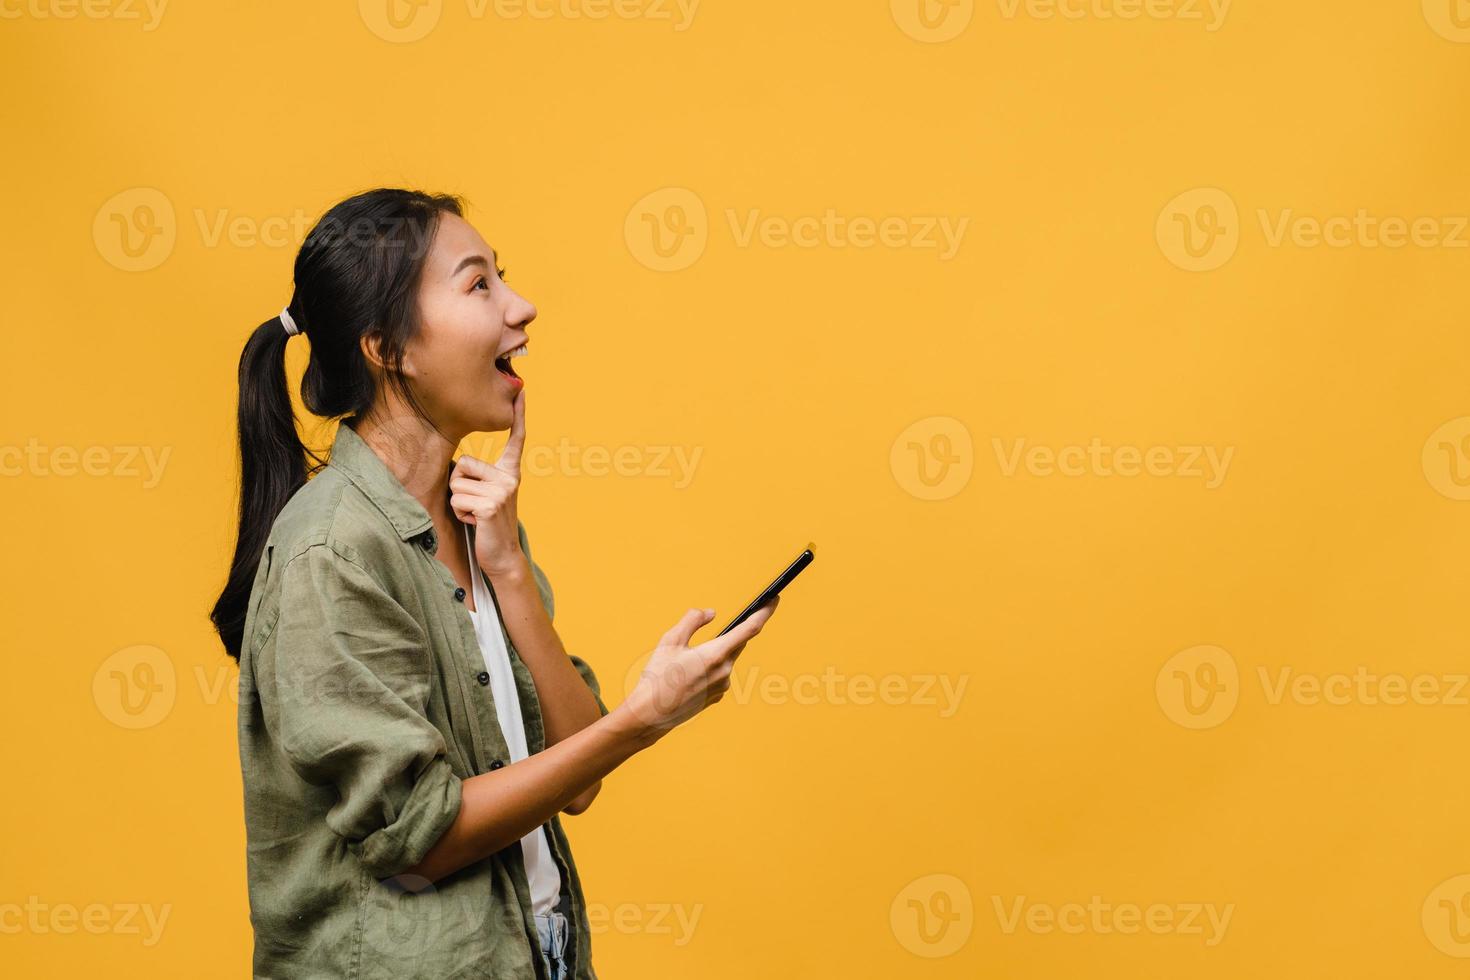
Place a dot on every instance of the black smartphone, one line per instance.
(784, 579)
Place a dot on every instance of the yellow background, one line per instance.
(833, 837)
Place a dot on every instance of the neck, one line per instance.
(414, 453)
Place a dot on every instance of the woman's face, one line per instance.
(469, 321)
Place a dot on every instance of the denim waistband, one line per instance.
(553, 931)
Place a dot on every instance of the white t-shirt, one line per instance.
(541, 870)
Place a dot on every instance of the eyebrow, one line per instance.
(472, 260)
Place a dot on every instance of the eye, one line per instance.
(480, 281)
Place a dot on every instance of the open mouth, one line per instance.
(502, 363)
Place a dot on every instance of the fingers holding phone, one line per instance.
(729, 644)
(679, 681)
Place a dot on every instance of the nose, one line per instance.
(519, 312)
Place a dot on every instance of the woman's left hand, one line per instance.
(484, 495)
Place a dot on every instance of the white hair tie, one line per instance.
(288, 323)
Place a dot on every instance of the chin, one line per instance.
(498, 420)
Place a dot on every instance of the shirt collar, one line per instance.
(367, 471)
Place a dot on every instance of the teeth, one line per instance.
(518, 352)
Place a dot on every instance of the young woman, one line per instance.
(410, 725)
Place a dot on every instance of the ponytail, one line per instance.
(272, 468)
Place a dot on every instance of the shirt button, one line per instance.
(459, 595)
(483, 677)
(497, 764)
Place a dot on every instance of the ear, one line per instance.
(371, 344)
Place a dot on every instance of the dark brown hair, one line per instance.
(357, 274)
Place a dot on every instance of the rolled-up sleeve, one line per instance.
(543, 587)
(344, 686)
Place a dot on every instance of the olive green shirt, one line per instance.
(364, 702)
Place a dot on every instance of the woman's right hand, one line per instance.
(679, 681)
